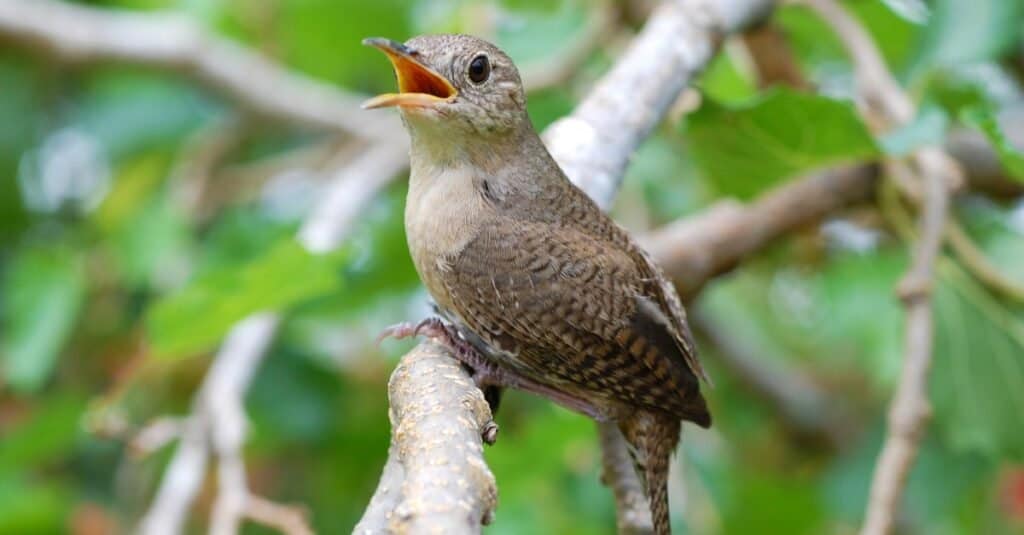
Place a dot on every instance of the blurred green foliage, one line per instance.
(109, 263)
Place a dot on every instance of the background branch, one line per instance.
(74, 33)
(218, 418)
(886, 106)
(695, 249)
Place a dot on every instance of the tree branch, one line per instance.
(435, 479)
(76, 33)
(633, 514)
(695, 249)
(886, 105)
(218, 418)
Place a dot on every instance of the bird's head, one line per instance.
(457, 84)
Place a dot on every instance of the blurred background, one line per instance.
(146, 207)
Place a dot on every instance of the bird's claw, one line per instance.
(490, 433)
(430, 327)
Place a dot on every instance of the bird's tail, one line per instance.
(653, 438)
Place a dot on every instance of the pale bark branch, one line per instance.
(436, 479)
(76, 33)
(933, 173)
(633, 514)
(217, 426)
(695, 249)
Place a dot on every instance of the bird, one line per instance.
(536, 287)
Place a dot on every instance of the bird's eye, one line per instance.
(479, 69)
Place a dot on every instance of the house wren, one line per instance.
(538, 288)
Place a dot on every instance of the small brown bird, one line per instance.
(540, 289)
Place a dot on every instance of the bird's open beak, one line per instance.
(418, 85)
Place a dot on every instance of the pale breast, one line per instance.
(442, 214)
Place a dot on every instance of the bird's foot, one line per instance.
(432, 328)
(482, 371)
(489, 377)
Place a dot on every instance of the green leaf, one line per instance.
(33, 508)
(726, 82)
(47, 435)
(1012, 157)
(749, 148)
(978, 374)
(196, 318)
(42, 294)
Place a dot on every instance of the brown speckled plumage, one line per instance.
(554, 295)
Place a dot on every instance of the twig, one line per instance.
(77, 33)
(910, 410)
(218, 418)
(156, 435)
(287, 519)
(886, 105)
(695, 249)
(633, 517)
(978, 264)
(769, 49)
(330, 220)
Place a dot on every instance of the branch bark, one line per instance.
(931, 170)
(74, 33)
(218, 419)
(436, 479)
(695, 249)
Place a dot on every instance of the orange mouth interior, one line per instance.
(418, 85)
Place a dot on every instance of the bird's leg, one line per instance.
(488, 375)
